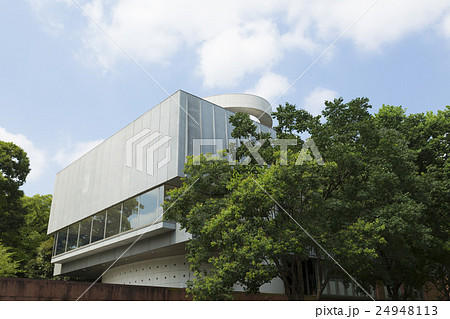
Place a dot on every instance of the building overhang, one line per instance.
(127, 238)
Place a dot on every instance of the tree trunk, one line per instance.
(291, 272)
(322, 285)
(322, 281)
(393, 291)
(300, 285)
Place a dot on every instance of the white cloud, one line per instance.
(270, 86)
(315, 101)
(445, 26)
(229, 56)
(384, 23)
(72, 152)
(45, 11)
(236, 38)
(37, 157)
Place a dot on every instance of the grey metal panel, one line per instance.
(101, 178)
(55, 204)
(98, 185)
(194, 130)
(62, 197)
(128, 133)
(219, 124)
(138, 178)
(117, 159)
(155, 118)
(173, 132)
(165, 120)
(155, 125)
(207, 122)
(83, 186)
(182, 133)
(105, 192)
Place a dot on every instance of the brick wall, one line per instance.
(54, 290)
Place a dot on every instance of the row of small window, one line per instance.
(130, 214)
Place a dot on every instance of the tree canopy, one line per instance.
(25, 247)
(374, 205)
(14, 168)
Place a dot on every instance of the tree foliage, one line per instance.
(378, 206)
(8, 266)
(14, 168)
(23, 220)
(36, 246)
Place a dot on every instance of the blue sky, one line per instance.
(65, 86)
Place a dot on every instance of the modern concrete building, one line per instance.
(111, 197)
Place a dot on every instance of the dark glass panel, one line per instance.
(62, 239)
(113, 220)
(148, 207)
(98, 226)
(85, 232)
(55, 240)
(72, 238)
(130, 214)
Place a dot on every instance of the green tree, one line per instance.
(8, 266)
(40, 266)
(23, 220)
(378, 205)
(36, 246)
(423, 247)
(247, 220)
(14, 168)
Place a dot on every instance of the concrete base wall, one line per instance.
(53, 290)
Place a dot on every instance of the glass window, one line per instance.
(72, 238)
(61, 244)
(164, 196)
(85, 232)
(55, 239)
(148, 207)
(161, 197)
(98, 226)
(113, 220)
(130, 214)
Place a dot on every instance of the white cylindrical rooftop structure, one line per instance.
(245, 103)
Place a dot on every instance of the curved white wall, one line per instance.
(172, 272)
(245, 103)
